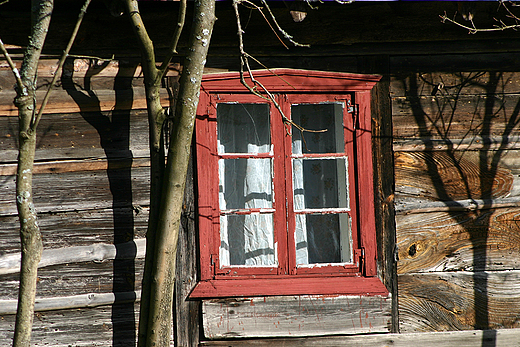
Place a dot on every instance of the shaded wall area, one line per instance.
(91, 187)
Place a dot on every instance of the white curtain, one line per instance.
(246, 183)
(320, 184)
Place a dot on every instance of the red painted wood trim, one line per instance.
(291, 81)
(366, 184)
(289, 286)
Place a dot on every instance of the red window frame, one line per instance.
(285, 278)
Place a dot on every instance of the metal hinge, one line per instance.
(359, 256)
(353, 110)
(216, 269)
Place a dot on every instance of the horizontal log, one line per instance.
(455, 84)
(61, 101)
(484, 338)
(63, 166)
(79, 228)
(73, 302)
(97, 252)
(407, 205)
(82, 67)
(103, 326)
(71, 191)
(459, 301)
(86, 135)
(473, 143)
(9, 156)
(120, 275)
(304, 315)
(452, 176)
(449, 241)
(438, 117)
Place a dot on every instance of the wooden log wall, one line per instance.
(91, 187)
(457, 199)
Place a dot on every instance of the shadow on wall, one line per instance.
(457, 227)
(114, 131)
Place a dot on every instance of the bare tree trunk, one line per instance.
(156, 118)
(30, 236)
(167, 186)
(159, 325)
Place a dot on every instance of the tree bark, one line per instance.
(156, 118)
(167, 232)
(30, 236)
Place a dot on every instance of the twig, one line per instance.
(285, 34)
(473, 30)
(15, 71)
(91, 57)
(60, 64)
(173, 46)
(244, 62)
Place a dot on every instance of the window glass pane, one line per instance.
(326, 116)
(247, 240)
(245, 183)
(243, 128)
(320, 183)
(323, 238)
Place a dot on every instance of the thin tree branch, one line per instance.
(15, 71)
(473, 29)
(244, 62)
(173, 46)
(285, 34)
(64, 56)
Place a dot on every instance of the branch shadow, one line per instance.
(488, 149)
(114, 132)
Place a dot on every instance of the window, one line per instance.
(286, 206)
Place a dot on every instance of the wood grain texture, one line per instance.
(81, 190)
(486, 338)
(112, 134)
(187, 317)
(453, 84)
(303, 315)
(97, 252)
(60, 101)
(450, 176)
(77, 228)
(459, 241)
(100, 327)
(459, 301)
(80, 278)
(8, 307)
(455, 117)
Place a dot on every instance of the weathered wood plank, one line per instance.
(467, 241)
(473, 143)
(458, 83)
(108, 134)
(485, 338)
(121, 275)
(459, 301)
(89, 300)
(457, 117)
(77, 165)
(77, 228)
(81, 190)
(303, 315)
(451, 176)
(187, 316)
(60, 101)
(103, 326)
(97, 252)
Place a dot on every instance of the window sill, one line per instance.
(289, 286)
